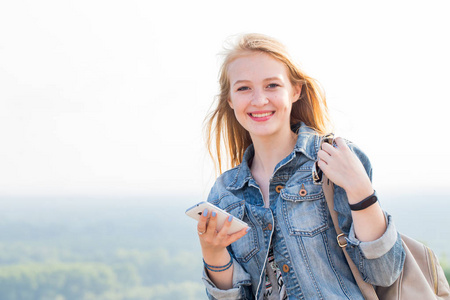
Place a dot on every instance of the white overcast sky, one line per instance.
(108, 97)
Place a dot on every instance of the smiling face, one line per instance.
(261, 94)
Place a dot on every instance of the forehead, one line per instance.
(255, 66)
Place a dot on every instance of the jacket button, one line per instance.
(268, 227)
(278, 188)
(285, 268)
(303, 192)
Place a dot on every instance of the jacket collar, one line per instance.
(307, 143)
(308, 140)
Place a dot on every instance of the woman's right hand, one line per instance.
(214, 246)
(214, 243)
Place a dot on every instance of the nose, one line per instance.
(259, 98)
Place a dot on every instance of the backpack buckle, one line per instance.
(344, 241)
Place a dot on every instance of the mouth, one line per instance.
(261, 116)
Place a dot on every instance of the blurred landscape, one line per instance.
(85, 248)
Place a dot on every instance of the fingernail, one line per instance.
(248, 229)
(213, 213)
(230, 218)
(205, 212)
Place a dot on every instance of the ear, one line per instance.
(230, 103)
(297, 90)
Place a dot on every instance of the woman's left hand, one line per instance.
(344, 168)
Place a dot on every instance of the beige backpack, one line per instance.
(422, 277)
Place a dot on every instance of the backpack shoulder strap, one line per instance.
(367, 289)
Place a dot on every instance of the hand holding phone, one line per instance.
(196, 211)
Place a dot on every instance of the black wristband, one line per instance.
(365, 203)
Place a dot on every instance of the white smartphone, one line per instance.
(196, 211)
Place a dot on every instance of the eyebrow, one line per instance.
(266, 79)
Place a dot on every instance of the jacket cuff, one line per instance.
(240, 278)
(379, 247)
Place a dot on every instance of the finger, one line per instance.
(201, 225)
(237, 235)
(340, 142)
(322, 165)
(223, 233)
(212, 224)
(328, 148)
(323, 155)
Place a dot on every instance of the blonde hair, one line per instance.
(221, 124)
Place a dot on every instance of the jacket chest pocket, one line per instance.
(304, 208)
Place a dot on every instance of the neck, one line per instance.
(269, 151)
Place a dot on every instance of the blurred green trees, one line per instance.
(135, 275)
(102, 250)
(67, 249)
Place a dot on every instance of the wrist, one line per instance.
(217, 258)
(358, 193)
(365, 203)
(218, 269)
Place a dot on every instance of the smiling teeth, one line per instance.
(261, 115)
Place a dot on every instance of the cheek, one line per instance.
(237, 104)
(240, 118)
(284, 103)
(240, 113)
(239, 110)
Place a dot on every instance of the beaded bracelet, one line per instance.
(219, 268)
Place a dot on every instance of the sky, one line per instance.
(109, 97)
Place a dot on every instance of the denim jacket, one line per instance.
(301, 230)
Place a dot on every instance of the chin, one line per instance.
(262, 133)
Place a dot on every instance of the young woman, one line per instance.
(270, 118)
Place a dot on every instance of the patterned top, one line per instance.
(275, 288)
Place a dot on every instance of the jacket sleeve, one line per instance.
(241, 285)
(241, 279)
(380, 262)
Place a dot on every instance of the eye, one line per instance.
(243, 88)
(273, 85)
